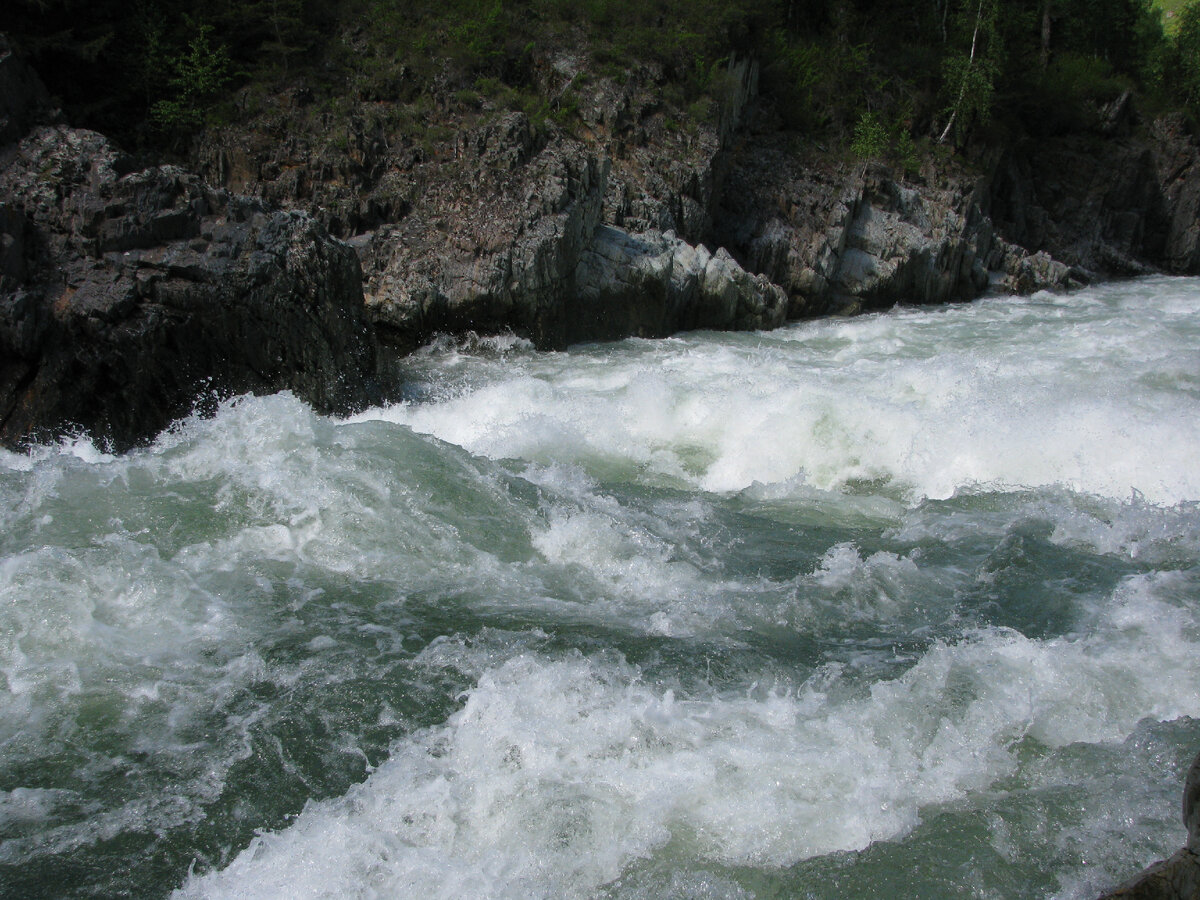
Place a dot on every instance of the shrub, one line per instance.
(870, 137)
(198, 76)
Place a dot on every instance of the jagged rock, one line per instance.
(667, 177)
(841, 241)
(481, 223)
(654, 284)
(493, 249)
(1119, 116)
(1090, 202)
(126, 294)
(1177, 161)
(1026, 272)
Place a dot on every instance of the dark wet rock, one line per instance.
(1090, 202)
(1178, 877)
(24, 101)
(1177, 162)
(654, 284)
(126, 295)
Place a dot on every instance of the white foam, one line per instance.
(1029, 392)
(558, 773)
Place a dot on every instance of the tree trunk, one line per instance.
(962, 91)
(1045, 57)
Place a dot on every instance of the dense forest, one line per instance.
(878, 77)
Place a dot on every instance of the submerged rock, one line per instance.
(1176, 878)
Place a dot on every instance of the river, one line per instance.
(902, 605)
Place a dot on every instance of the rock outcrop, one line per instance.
(123, 292)
(126, 294)
(489, 223)
(1176, 878)
(24, 101)
(1108, 202)
(842, 240)
(508, 236)
(654, 284)
(1177, 165)
(493, 244)
(1089, 201)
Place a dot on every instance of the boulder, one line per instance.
(1177, 878)
(126, 294)
(653, 284)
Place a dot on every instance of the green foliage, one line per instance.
(152, 70)
(1187, 55)
(816, 82)
(874, 139)
(198, 76)
(970, 70)
(870, 137)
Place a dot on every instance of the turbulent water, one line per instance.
(906, 605)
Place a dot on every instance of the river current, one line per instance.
(903, 605)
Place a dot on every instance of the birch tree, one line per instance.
(969, 76)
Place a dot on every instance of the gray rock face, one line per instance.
(844, 241)
(126, 294)
(494, 249)
(654, 284)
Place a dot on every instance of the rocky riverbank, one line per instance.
(128, 292)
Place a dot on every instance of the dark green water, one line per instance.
(906, 604)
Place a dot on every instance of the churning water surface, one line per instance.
(901, 605)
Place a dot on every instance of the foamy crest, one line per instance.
(929, 403)
(560, 772)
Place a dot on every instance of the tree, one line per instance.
(970, 77)
(198, 76)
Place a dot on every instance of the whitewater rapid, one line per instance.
(904, 603)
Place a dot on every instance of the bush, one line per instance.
(870, 137)
(198, 76)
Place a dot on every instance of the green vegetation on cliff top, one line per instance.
(879, 77)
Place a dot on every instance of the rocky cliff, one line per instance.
(128, 293)
(1108, 203)
(125, 290)
(507, 223)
